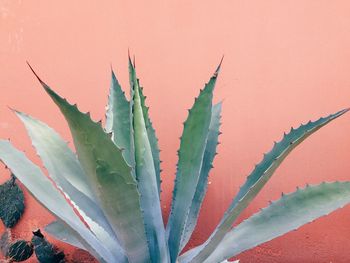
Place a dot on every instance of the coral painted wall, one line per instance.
(285, 62)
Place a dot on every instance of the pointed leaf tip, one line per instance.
(36, 75)
(219, 67)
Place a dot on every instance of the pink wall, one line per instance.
(285, 62)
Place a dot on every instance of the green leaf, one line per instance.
(110, 177)
(19, 250)
(192, 147)
(288, 213)
(255, 182)
(153, 140)
(59, 231)
(45, 192)
(147, 183)
(45, 251)
(209, 154)
(65, 170)
(11, 203)
(118, 119)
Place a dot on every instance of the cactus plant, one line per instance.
(11, 202)
(106, 195)
(11, 209)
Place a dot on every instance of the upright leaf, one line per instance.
(255, 182)
(153, 140)
(11, 203)
(287, 214)
(118, 119)
(110, 176)
(65, 169)
(192, 147)
(147, 183)
(45, 192)
(207, 164)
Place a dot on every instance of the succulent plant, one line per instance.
(11, 202)
(11, 209)
(106, 194)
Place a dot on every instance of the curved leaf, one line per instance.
(192, 147)
(209, 154)
(45, 192)
(65, 170)
(110, 177)
(255, 182)
(287, 214)
(147, 184)
(61, 232)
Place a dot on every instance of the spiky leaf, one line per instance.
(11, 203)
(209, 154)
(45, 251)
(255, 182)
(19, 250)
(147, 183)
(110, 176)
(287, 214)
(66, 171)
(45, 192)
(118, 119)
(61, 232)
(192, 147)
(153, 140)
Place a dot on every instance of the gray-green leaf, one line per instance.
(287, 214)
(153, 140)
(192, 147)
(118, 119)
(61, 232)
(147, 182)
(207, 164)
(110, 176)
(45, 192)
(65, 169)
(255, 182)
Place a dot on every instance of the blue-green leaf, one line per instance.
(65, 169)
(209, 154)
(110, 177)
(153, 140)
(45, 192)
(118, 119)
(287, 214)
(61, 232)
(255, 182)
(147, 183)
(192, 147)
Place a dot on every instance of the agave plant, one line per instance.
(106, 195)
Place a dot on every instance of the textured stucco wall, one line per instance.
(285, 62)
